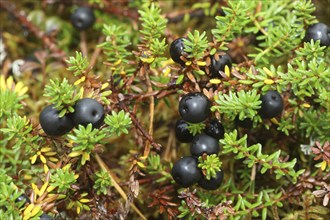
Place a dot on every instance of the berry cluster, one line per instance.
(86, 111)
(195, 108)
(218, 61)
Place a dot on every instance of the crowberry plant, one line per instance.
(171, 109)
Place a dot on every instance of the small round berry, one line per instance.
(44, 216)
(215, 129)
(182, 132)
(204, 143)
(245, 123)
(177, 50)
(185, 171)
(318, 31)
(24, 198)
(219, 65)
(52, 124)
(87, 111)
(194, 107)
(272, 104)
(213, 183)
(83, 18)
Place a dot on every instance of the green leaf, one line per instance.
(243, 103)
(118, 123)
(263, 170)
(62, 95)
(179, 79)
(196, 44)
(62, 179)
(77, 64)
(264, 214)
(115, 48)
(211, 165)
(153, 23)
(195, 129)
(279, 204)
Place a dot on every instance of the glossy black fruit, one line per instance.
(83, 18)
(246, 123)
(194, 107)
(215, 129)
(204, 143)
(213, 183)
(44, 216)
(177, 50)
(52, 124)
(182, 132)
(219, 65)
(185, 171)
(318, 31)
(87, 111)
(272, 104)
(24, 198)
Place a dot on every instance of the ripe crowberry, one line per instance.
(24, 198)
(219, 65)
(185, 171)
(318, 31)
(52, 124)
(204, 143)
(182, 132)
(272, 104)
(44, 216)
(194, 107)
(87, 111)
(213, 183)
(177, 50)
(83, 18)
(215, 129)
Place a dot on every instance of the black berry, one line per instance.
(44, 216)
(185, 171)
(177, 50)
(87, 111)
(182, 132)
(215, 129)
(219, 65)
(204, 143)
(24, 198)
(213, 183)
(272, 104)
(52, 124)
(194, 107)
(83, 18)
(318, 31)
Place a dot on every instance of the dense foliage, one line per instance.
(116, 54)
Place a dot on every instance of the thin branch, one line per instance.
(151, 114)
(116, 185)
(177, 16)
(96, 52)
(167, 90)
(83, 43)
(139, 127)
